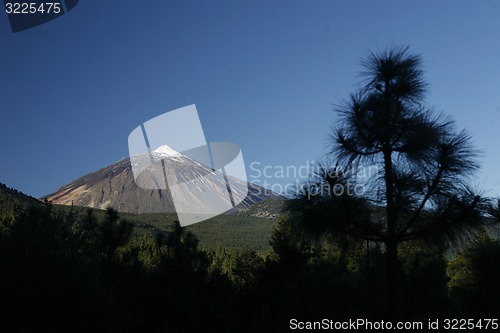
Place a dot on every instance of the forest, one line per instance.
(61, 272)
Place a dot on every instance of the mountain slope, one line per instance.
(115, 186)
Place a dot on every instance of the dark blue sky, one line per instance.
(263, 74)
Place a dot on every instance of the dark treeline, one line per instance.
(62, 272)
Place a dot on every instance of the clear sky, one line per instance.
(264, 74)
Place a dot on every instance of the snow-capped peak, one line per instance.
(166, 151)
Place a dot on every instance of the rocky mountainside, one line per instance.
(115, 186)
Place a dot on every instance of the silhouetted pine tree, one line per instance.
(419, 189)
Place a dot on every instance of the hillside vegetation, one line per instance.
(240, 230)
(130, 273)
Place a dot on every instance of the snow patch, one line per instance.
(166, 151)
